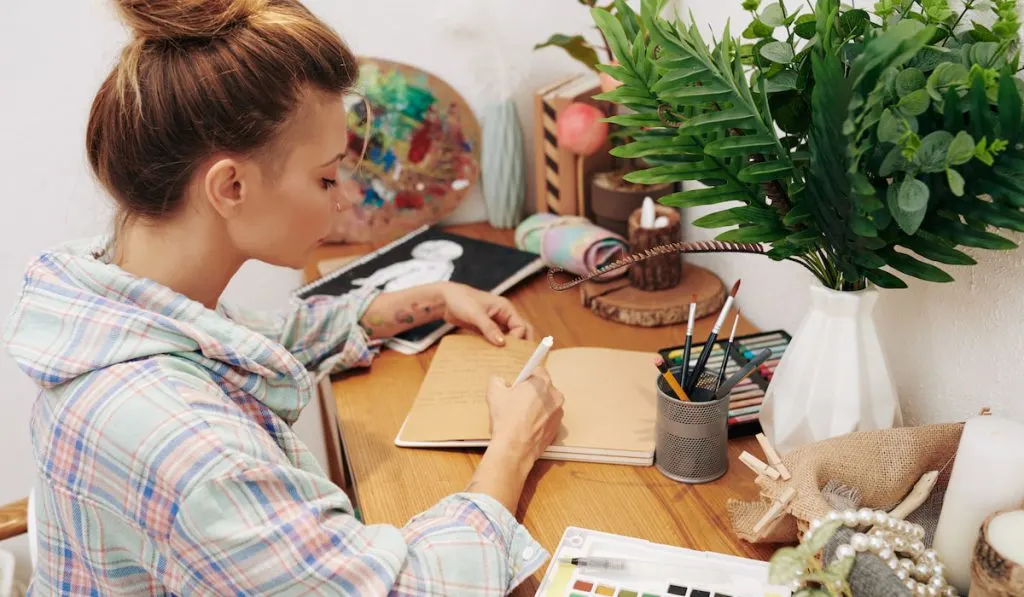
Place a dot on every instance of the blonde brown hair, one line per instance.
(202, 76)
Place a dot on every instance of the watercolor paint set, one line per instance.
(747, 396)
(590, 563)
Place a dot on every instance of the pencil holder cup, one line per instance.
(692, 436)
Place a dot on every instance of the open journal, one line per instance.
(610, 400)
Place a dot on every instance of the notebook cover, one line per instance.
(609, 417)
(484, 265)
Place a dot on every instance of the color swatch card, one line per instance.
(747, 396)
(591, 563)
(609, 411)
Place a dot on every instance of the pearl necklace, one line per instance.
(920, 569)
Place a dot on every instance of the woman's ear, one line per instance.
(225, 188)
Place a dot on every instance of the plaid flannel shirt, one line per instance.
(167, 463)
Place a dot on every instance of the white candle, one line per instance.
(988, 476)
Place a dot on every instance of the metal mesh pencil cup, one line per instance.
(692, 437)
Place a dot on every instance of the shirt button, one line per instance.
(528, 553)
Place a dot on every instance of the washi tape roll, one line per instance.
(572, 243)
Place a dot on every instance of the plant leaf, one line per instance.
(805, 27)
(948, 75)
(955, 181)
(931, 156)
(908, 204)
(743, 145)
(895, 162)
(785, 564)
(773, 15)
(1009, 107)
(783, 81)
(576, 46)
(777, 51)
(757, 30)
(912, 267)
(738, 118)
(752, 234)
(765, 172)
(626, 16)
(883, 279)
(700, 197)
(915, 103)
(961, 149)
(852, 23)
(674, 173)
(910, 79)
(936, 250)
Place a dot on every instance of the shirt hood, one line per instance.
(77, 314)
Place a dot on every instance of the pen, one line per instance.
(535, 360)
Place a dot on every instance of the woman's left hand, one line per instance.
(492, 316)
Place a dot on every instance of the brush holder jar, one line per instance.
(692, 436)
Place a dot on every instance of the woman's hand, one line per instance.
(492, 316)
(525, 418)
(524, 421)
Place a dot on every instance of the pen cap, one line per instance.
(691, 444)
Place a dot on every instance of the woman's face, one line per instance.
(291, 195)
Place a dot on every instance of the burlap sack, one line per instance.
(877, 469)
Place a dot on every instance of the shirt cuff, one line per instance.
(358, 349)
(525, 555)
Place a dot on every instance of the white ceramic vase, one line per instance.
(833, 378)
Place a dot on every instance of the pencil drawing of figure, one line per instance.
(432, 261)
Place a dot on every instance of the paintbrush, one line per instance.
(742, 374)
(684, 371)
(670, 379)
(727, 348)
(705, 352)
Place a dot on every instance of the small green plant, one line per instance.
(802, 563)
(900, 130)
(577, 46)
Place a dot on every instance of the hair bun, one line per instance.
(170, 19)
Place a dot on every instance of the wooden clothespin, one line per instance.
(776, 509)
(773, 457)
(760, 468)
(985, 412)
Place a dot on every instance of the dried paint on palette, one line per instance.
(417, 152)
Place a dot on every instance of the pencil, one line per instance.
(670, 379)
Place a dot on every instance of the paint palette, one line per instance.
(645, 569)
(745, 403)
(422, 153)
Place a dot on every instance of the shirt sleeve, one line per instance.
(278, 530)
(323, 332)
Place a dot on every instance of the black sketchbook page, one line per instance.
(483, 265)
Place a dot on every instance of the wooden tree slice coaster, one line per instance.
(619, 301)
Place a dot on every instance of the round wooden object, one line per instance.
(994, 573)
(620, 301)
(661, 272)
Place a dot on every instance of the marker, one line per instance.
(535, 360)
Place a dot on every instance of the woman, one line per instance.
(163, 439)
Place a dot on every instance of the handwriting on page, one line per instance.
(452, 402)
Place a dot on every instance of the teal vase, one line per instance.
(501, 163)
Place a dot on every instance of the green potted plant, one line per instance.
(612, 196)
(900, 145)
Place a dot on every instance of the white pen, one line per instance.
(535, 360)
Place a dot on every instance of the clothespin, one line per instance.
(776, 509)
(759, 467)
(773, 457)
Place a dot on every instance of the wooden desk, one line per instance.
(392, 484)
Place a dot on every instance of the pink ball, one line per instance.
(581, 129)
